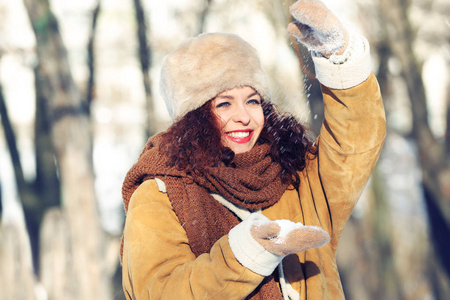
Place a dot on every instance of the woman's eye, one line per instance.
(223, 104)
(254, 101)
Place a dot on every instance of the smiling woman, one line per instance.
(240, 117)
(234, 201)
(186, 146)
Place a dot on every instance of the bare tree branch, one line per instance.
(145, 58)
(203, 14)
(447, 131)
(91, 56)
(11, 142)
(16, 255)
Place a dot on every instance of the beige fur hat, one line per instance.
(203, 67)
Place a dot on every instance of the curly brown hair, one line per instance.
(194, 142)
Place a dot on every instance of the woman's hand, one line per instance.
(283, 237)
(318, 28)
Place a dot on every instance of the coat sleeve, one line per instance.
(350, 140)
(159, 264)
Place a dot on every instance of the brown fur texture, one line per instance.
(202, 67)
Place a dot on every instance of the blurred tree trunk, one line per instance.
(44, 191)
(24, 189)
(433, 155)
(380, 223)
(47, 184)
(90, 93)
(145, 58)
(10, 137)
(72, 141)
(447, 132)
(203, 15)
(56, 273)
(16, 269)
(16, 265)
(372, 233)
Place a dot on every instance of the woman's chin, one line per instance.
(240, 148)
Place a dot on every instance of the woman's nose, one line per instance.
(241, 115)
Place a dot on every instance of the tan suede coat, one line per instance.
(158, 263)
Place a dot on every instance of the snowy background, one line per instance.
(119, 108)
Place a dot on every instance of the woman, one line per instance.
(233, 201)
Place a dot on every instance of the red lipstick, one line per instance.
(237, 139)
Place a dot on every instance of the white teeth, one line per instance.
(239, 135)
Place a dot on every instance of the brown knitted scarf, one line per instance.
(253, 182)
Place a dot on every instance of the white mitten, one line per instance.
(318, 28)
(283, 237)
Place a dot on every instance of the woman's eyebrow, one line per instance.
(232, 97)
(252, 94)
(225, 97)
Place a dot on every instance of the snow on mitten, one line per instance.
(283, 237)
(317, 28)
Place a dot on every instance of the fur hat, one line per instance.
(204, 66)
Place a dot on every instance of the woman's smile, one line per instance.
(240, 136)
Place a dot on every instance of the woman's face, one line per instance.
(240, 117)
